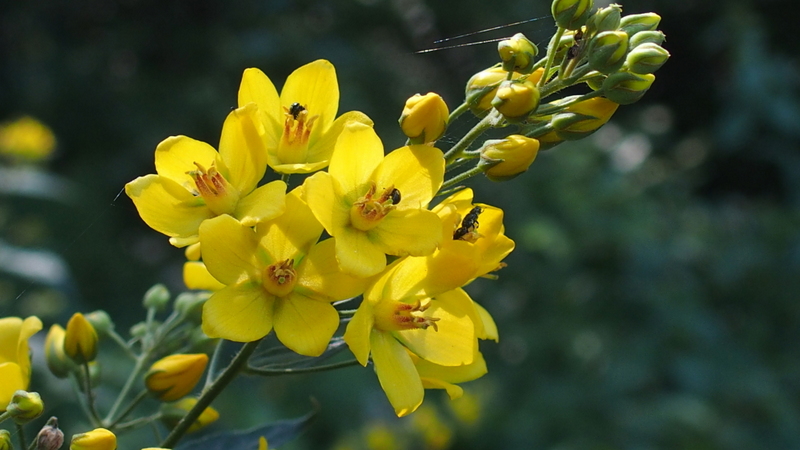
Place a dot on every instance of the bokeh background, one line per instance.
(652, 300)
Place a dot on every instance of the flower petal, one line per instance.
(408, 231)
(228, 249)
(322, 149)
(314, 86)
(357, 255)
(396, 373)
(291, 234)
(305, 325)
(9, 337)
(242, 148)
(358, 331)
(167, 207)
(417, 171)
(454, 391)
(320, 273)
(13, 380)
(357, 153)
(176, 155)
(265, 203)
(489, 328)
(196, 276)
(257, 88)
(327, 206)
(240, 312)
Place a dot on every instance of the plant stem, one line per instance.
(136, 400)
(277, 372)
(87, 385)
(121, 342)
(210, 394)
(285, 178)
(462, 108)
(491, 119)
(138, 422)
(137, 369)
(21, 434)
(461, 177)
(551, 56)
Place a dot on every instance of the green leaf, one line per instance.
(277, 434)
(271, 355)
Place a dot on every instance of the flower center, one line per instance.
(367, 212)
(396, 316)
(297, 126)
(220, 196)
(279, 278)
(468, 231)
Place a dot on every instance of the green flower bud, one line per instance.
(607, 51)
(571, 14)
(636, 23)
(424, 118)
(642, 37)
(5, 440)
(646, 58)
(172, 413)
(139, 330)
(80, 340)
(101, 321)
(516, 98)
(57, 361)
(156, 297)
(625, 88)
(97, 439)
(517, 53)
(25, 406)
(504, 159)
(50, 437)
(605, 19)
(482, 87)
(583, 118)
(190, 305)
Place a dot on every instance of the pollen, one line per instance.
(279, 278)
(396, 316)
(368, 210)
(298, 125)
(220, 196)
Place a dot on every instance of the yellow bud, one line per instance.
(172, 413)
(646, 58)
(262, 443)
(571, 14)
(607, 51)
(174, 376)
(26, 138)
(626, 88)
(97, 439)
(583, 118)
(517, 53)
(57, 361)
(482, 87)
(516, 98)
(80, 340)
(25, 406)
(5, 440)
(424, 118)
(50, 437)
(504, 159)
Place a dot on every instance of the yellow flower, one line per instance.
(262, 443)
(482, 87)
(516, 98)
(80, 340)
(195, 183)
(15, 360)
(174, 376)
(97, 439)
(435, 376)
(26, 138)
(172, 413)
(515, 153)
(196, 276)
(300, 126)
(276, 276)
(424, 118)
(375, 205)
(394, 319)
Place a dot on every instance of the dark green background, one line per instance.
(645, 307)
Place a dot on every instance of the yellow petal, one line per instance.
(176, 155)
(242, 148)
(10, 328)
(314, 86)
(291, 234)
(322, 149)
(326, 205)
(240, 312)
(196, 276)
(453, 391)
(257, 88)
(457, 374)
(167, 207)
(229, 249)
(13, 380)
(280, 167)
(305, 325)
(319, 273)
(357, 255)
(358, 331)
(357, 153)
(489, 330)
(396, 373)
(265, 203)
(408, 231)
(417, 171)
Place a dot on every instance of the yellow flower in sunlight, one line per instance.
(395, 319)
(276, 276)
(424, 118)
(195, 182)
(196, 276)
(97, 439)
(300, 126)
(375, 205)
(172, 413)
(174, 376)
(15, 359)
(26, 138)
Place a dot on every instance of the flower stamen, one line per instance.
(279, 278)
(220, 196)
(396, 316)
(368, 211)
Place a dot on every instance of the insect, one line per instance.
(295, 109)
(468, 225)
(395, 196)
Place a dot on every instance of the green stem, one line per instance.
(551, 56)
(21, 433)
(5, 416)
(136, 400)
(138, 422)
(74, 377)
(238, 363)
(285, 178)
(277, 372)
(347, 312)
(87, 385)
(121, 342)
(137, 369)
(461, 177)
(462, 108)
(491, 120)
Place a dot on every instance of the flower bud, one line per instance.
(97, 439)
(5, 440)
(482, 87)
(607, 51)
(625, 88)
(635, 23)
(190, 305)
(80, 340)
(571, 14)
(156, 297)
(424, 118)
(517, 53)
(516, 98)
(25, 406)
(94, 376)
(57, 361)
(503, 159)
(50, 437)
(193, 252)
(172, 413)
(101, 322)
(646, 58)
(583, 118)
(139, 330)
(174, 376)
(642, 37)
(605, 19)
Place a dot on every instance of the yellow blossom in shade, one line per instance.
(174, 376)
(172, 413)
(424, 118)
(435, 376)
(80, 340)
(300, 126)
(97, 439)
(195, 182)
(15, 359)
(375, 205)
(57, 361)
(262, 443)
(196, 276)
(276, 276)
(26, 138)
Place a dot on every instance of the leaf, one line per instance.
(277, 434)
(274, 356)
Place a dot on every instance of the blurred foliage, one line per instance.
(651, 301)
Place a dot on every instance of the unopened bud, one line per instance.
(571, 14)
(503, 159)
(57, 361)
(50, 437)
(25, 406)
(635, 23)
(175, 376)
(516, 98)
(625, 88)
(646, 58)
(424, 118)
(607, 51)
(190, 305)
(583, 118)
(97, 439)
(156, 297)
(94, 376)
(517, 53)
(482, 87)
(5, 440)
(101, 322)
(605, 19)
(80, 340)
(172, 413)
(643, 37)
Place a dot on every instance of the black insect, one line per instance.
(469, 224)
(295, 109)
(395, 196)
(576, 48)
